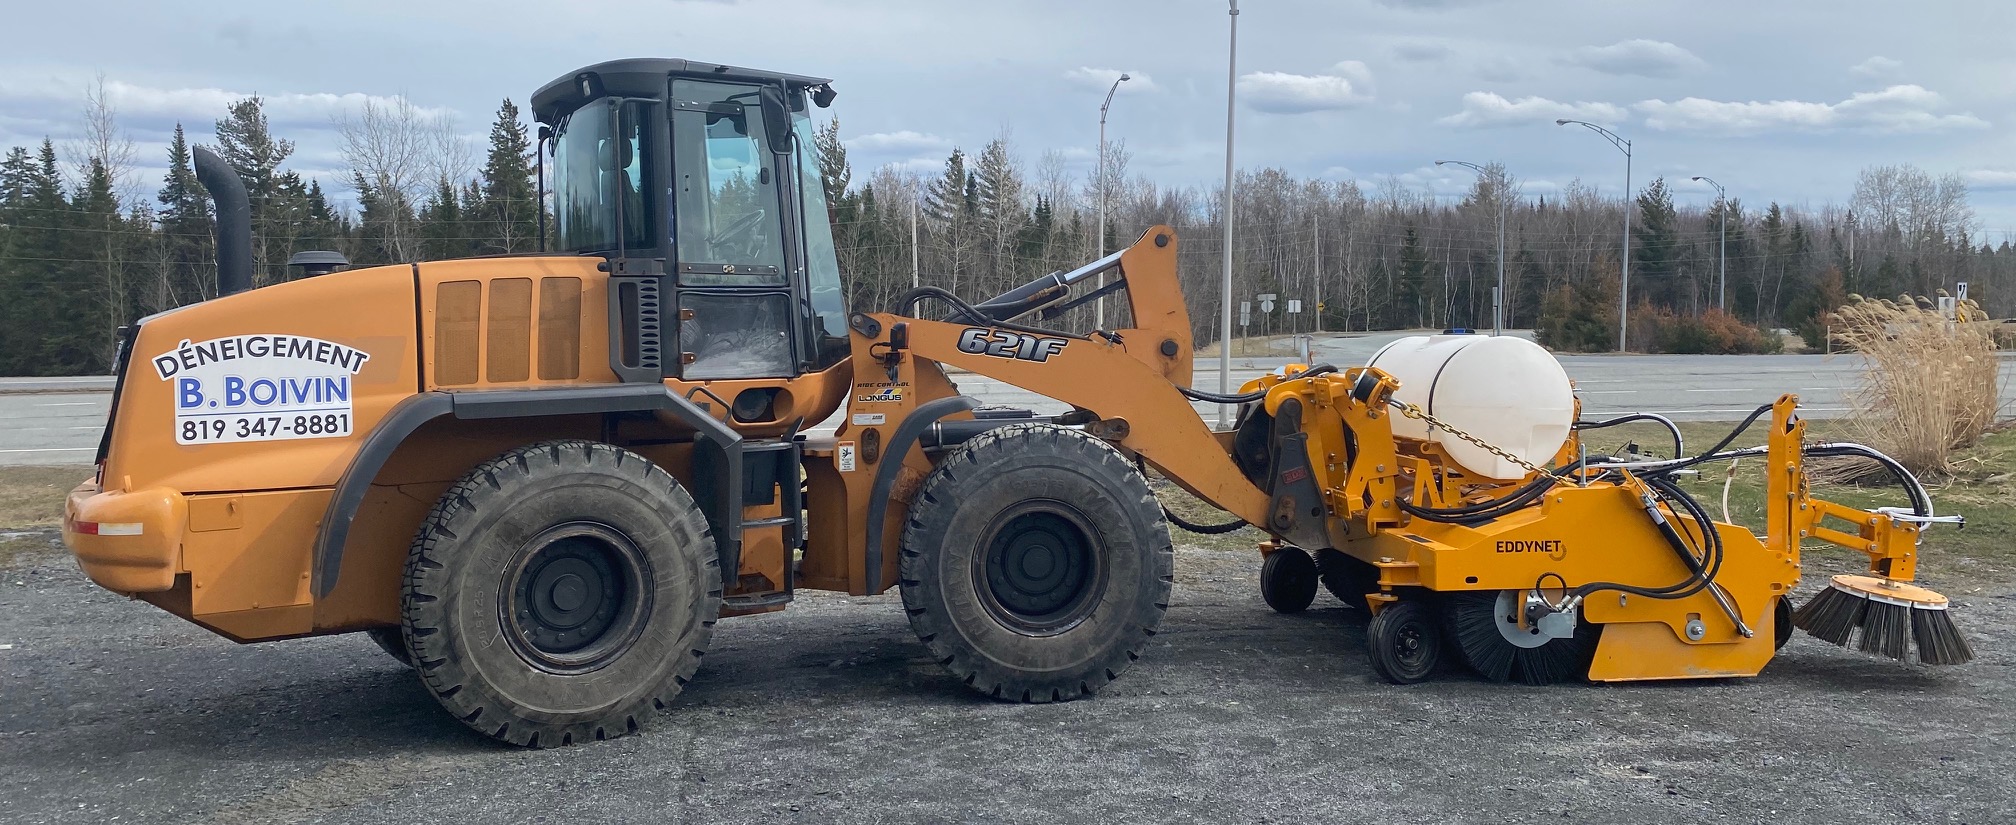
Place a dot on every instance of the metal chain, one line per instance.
(1419, 414)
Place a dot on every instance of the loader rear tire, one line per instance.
(1035, 564)
(560, 593)
(392, 640)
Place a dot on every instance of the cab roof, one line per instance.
(645, 77)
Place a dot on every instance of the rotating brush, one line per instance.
(1892, 617)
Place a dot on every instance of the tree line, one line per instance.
(83, 251)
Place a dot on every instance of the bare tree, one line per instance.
(398, 154)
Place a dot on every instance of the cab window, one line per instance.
(724, 179)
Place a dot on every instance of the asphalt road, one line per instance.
(832, 712)
(59, 422)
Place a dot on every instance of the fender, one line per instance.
(721, 499)
(893, 453)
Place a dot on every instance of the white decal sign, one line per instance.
(260, 388)
(844, 456)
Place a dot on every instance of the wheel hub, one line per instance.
(576, 597)
(1040, 568)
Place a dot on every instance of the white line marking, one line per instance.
(55, 450)
(71, 404)
(1609, 392)
(1725, 389)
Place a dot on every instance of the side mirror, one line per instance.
(776, 119)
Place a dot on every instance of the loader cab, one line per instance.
(698, 184)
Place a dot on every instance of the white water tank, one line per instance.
(1507, 391)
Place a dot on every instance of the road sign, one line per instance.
(1266, 301)
(1320, 306)
(1245, 313)
(1294, 306)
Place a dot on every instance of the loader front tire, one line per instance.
(1035, 563)
(561, 593)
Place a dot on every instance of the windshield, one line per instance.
(599, 170)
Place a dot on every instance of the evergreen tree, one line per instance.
(834, 172)
(441, 227)
(245, 140)
(185, 232)
(1655, 246)
(506, 213)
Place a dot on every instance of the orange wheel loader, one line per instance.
(540, 479)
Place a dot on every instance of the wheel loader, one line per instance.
(540, 479)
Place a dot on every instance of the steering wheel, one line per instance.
(740, 227)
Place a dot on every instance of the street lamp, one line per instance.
(1099, 312)
(1722, 206)
(1624, 293)
(1497, 194)
(1225, 286)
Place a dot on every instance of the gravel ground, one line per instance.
(113, 711)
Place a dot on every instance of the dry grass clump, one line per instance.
(1931, 385)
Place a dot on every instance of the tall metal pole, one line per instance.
(913, 244)
(1624, 290)
(1721, 206)
(1099, 306)
(1498, 194)
(1225, 283)
(1316, 231)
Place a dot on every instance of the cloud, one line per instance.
(1102, 79)
(1349, 85)
(1904, 108)
(1432, 4)
(1422, 51)
(1500, 70)
(198, 106)
(905, 141)
(1644, 58)
(1990, 178)
(1489, 109)
(1878, 67)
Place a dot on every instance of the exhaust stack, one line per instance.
(234, 221)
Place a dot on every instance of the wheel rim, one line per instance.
(1505, 614)
(1412, 647)
(575, 597)
(1042, 571)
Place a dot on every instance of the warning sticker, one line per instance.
(260, 388)
(843, 456)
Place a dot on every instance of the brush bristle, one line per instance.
(1831, 615)
(1886, 629)
(1938, 638)
(1474, 628)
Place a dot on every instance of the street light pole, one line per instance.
(1624, 290)
(1498, 194)
(1721, 206)
(1099, 308)
(1225, 284)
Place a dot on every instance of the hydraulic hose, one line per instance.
(1679, 442)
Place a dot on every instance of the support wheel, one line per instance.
(1404, 643)
(1288, 580)
(560, 593)
(1347, 578)
(1035, 564)
(392, 640)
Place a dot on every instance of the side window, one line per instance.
(730, 230)
(829, 304)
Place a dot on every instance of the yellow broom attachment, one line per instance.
(1892, 616)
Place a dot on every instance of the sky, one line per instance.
(1780, 100)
